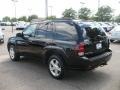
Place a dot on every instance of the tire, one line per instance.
(12, 53)
(56, 67)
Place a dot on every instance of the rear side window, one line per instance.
(65, 31)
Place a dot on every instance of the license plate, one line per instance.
(98, 46)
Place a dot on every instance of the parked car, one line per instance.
(92, 24)
(114, 34)
(5, 23)
(62, 45)
(1, 36)
(21, 25)
(105, 26)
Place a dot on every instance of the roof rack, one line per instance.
(46, 20)
(37, 20)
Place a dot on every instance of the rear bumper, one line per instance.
(90, 62)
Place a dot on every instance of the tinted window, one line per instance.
(44, 31)
(65, 31)
(41, 31)
(49, 32)
(92, 31)
(30, 30)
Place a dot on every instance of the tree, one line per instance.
(69, 13)
(6, 19)
(13, 19)
(23, 18)
(84, 13)
(32, 17)
(51, 17)
(93, 17)
(104, 14)
(117, 18)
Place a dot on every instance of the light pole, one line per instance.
(82, 3)
(98, 4)
(51, 7)
(14, 2)
(30, 11)
(46, 8)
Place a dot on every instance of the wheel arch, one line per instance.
(58, 52)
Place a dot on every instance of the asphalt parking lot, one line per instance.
(30, 74)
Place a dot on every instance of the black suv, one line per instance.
(62, 44)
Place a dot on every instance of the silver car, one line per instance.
(114, 34)
(1, 36)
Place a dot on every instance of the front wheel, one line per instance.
(13, 55)
(56, 67)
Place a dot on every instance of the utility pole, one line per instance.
(51, 7)
(46, 8)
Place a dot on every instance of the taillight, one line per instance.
(80, 49)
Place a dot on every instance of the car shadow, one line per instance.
(35, 69)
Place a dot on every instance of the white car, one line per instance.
(21, 25)
(114, 34)
(105, 26)
(1, 36)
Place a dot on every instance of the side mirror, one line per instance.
(19, 35)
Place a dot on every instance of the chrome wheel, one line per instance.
(55, 67)
(12, 52)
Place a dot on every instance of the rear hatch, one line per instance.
(95, 39)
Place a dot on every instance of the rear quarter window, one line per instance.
(65, 31)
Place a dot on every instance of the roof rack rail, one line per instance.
(62, 19)
(46, 20)
(37, 20)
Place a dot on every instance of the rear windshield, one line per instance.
(92, 31)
